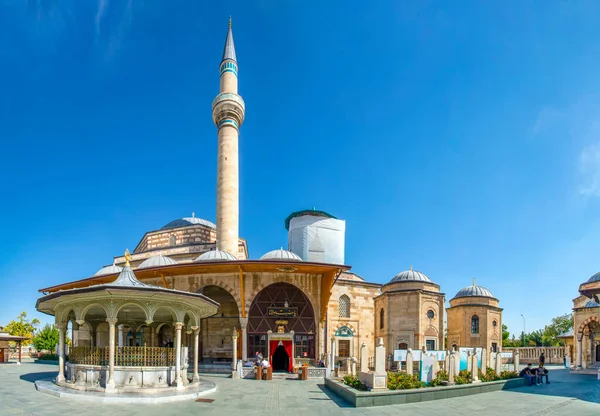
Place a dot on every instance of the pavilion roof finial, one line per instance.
(127, 258)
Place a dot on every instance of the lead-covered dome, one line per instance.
(473, 291)
(281, 255)
(592, 304)
(188, 221)
(156, 261)
(215, 255)
(411, 276)
(594, 278)
(113, 268)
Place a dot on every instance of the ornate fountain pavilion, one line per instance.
(110, 366)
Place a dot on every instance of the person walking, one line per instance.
(542, 360)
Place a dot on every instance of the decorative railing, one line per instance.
(124, 356)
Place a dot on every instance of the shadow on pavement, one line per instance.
(584, 387)
(33, 377)
(333, 397)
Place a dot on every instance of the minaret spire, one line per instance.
(229, 49)
(228, 115)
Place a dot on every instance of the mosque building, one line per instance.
(291, 305)
(583, 342)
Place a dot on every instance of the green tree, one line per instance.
(46, 339)
(21, 327)
(558, 326)
(505, 336)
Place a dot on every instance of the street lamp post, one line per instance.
(523, 329)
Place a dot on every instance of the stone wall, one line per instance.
(362, 314)
(527, 355)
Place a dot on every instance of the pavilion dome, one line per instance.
(592, 304)
(474, 291)
(156, 261)
(215, 255)
(281, 255)
(188, 221)
(112, 269)
(594, 278)
(411, 276)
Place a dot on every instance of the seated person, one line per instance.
(541, 372)
(264, 363)
(527, 375)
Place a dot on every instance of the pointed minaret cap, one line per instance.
(229, 51)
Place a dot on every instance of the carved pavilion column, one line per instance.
(120, 335)
(62, 326)
(110, 382)
(195, 377)
(244, 325)
(178, 380)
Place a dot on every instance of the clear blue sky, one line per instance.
(460, 137)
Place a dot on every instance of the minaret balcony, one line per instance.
(228, 105)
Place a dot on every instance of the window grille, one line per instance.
(344, 306)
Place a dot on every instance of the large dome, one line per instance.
(474, 290)
(186, 222)
(281, 255)
(215, 255)
(411, 276)
(592, 304)
(156, 261)
(594, 278)
(113, 268)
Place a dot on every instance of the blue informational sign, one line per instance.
(426, 369)
(464, 353)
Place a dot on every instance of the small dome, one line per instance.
(113, 268)
(215, 255)
(156, 261)
(281, 255)
(594, 278)
(186, 222)
(474, 290)
(592, 304)
(410, 276)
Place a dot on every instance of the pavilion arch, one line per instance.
(164, 312)
(228, 304)
(431, 331)
(87, 308)
(346, 324)
(585, 323)
(132, 306)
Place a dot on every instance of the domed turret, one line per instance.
(410, 276)
(215, 255)
(474, 291)
(156, 261)
(281, 255)
(113, 268)
(592, 304)
(594, 278)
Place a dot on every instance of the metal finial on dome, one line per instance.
(229, 21)
(193, 214)
(411, 266)
(127, 257)
(474, 282)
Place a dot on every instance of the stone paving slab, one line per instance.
(567, 394)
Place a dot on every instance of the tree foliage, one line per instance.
(547, 337)
(46, 339)
(21, 327)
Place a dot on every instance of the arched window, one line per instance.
(172, 240)
(403, 346)
(344, 306)
(475, 324)
(381, 316)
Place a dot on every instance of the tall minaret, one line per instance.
(228, 114)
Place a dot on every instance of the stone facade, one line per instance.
(360, 319)
(587, 327)
(410, 314)
(461, 331)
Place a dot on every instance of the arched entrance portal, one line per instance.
(215, 343)
(281, 325)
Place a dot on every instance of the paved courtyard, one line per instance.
(566, 395)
